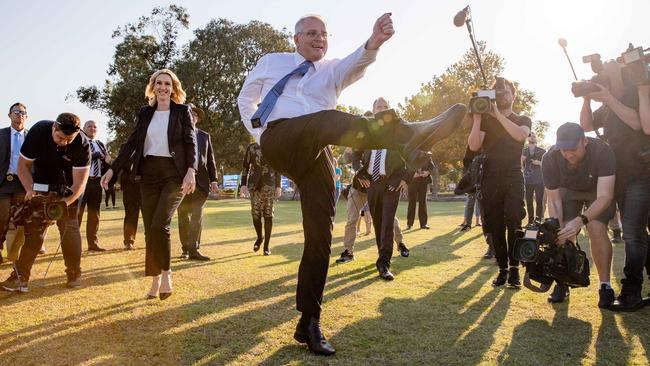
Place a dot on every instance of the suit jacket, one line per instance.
(207, 169)
(181, 138)
(5, 151)
(396, 169)
(97, 155)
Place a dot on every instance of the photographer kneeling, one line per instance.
(57, 154)
(579, 177)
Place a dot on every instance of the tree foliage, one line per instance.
(212, 67)
(456, 85)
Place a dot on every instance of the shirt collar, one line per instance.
(13, 131)
(298, 59)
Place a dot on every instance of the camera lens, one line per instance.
(528, 251)
(480, 105)
(55, 211)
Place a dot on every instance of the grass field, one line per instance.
(239, 308)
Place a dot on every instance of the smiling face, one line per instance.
(163, 87)
(311, 39)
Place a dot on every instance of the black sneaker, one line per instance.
(559, 294)
(403, 250)
(346, 256)
(501, 279)
(15, 284)
(513, 277)
(606, 297)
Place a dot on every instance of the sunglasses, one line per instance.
(19, 112)
(67, 129)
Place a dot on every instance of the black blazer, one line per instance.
(207, 169)
(5, 151)
(181, 138)
(396, 169)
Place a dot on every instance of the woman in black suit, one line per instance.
(162, 149)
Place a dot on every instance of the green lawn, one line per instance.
(239, 308)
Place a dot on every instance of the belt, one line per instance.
(11, 177)
(94, 178)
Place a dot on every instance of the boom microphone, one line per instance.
(461, 17)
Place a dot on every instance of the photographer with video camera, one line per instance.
(619, 117)
(500, 134)
(579, 179)
(53, 155)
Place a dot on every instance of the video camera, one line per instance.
(481, 101)
(546, 261)
(635, 71)
(44, 208)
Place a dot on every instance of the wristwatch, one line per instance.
(585, 219)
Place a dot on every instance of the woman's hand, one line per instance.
(189, 182)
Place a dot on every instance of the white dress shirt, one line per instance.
(317, 90)
(95, 164)
(11, 141)
(155, 143)
(382, 164)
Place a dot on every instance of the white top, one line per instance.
(156, 141)
(11, 141)
(382, 164)
(317, 90)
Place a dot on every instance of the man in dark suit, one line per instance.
(93, 193)
(418, 195)
(11, 140)
(190, 211)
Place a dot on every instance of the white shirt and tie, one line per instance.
(382, 162)
(317, 90)
(16, 137)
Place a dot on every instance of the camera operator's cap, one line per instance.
(569, 135)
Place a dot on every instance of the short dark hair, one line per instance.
(17, 104)
(68, 123)
(507, 83)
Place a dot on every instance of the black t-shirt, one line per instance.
(53, 164)
(599, 161)
(625, 141)
(503, 152)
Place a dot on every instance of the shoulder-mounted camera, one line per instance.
(45, 208)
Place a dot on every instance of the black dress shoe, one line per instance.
(267, 252)
(385, 274)
(403, 250)
(629, 299)
(310, 333)
(513, 278)
(257, 245)
(501, 279)
(409, 227)
(489, 254)
(96, 248)
(196, 255)
(185, 254)
(164, 295)
(559, 294)
(425, 227)
(129, 246)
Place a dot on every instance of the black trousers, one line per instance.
(160, 188)
(70, 243)
(131, 197)
(299, 149)
(110, 194)
(502, 209)
(10, 193)
(93, 199)
(538, 191)
(417, 195)
(190, 219)
(383, 207)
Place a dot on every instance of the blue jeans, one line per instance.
(634, 203)
(470, 203)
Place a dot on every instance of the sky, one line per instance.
(50, 48)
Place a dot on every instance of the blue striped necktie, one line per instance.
(375, 165)
(264, 110)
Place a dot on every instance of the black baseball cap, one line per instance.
(569, 135)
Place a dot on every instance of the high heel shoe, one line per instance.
(155, 286)
(166, 283)
(164, 295)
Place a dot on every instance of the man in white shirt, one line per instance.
(93, 193)
(11, 191)
(298, 93)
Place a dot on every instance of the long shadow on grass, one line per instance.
(451, 325)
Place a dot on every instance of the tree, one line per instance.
(148, 45)
(455, 85)
(214, 66)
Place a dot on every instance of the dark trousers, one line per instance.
(10, 193)
(160, 188)
(634, 203)
(190, 220)
(110, 194)
(70, 244)
(131, 197)
(417, 195)
(502, 208)
(298, 148)
(538, 191)
(93, 199)
(383, 207)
